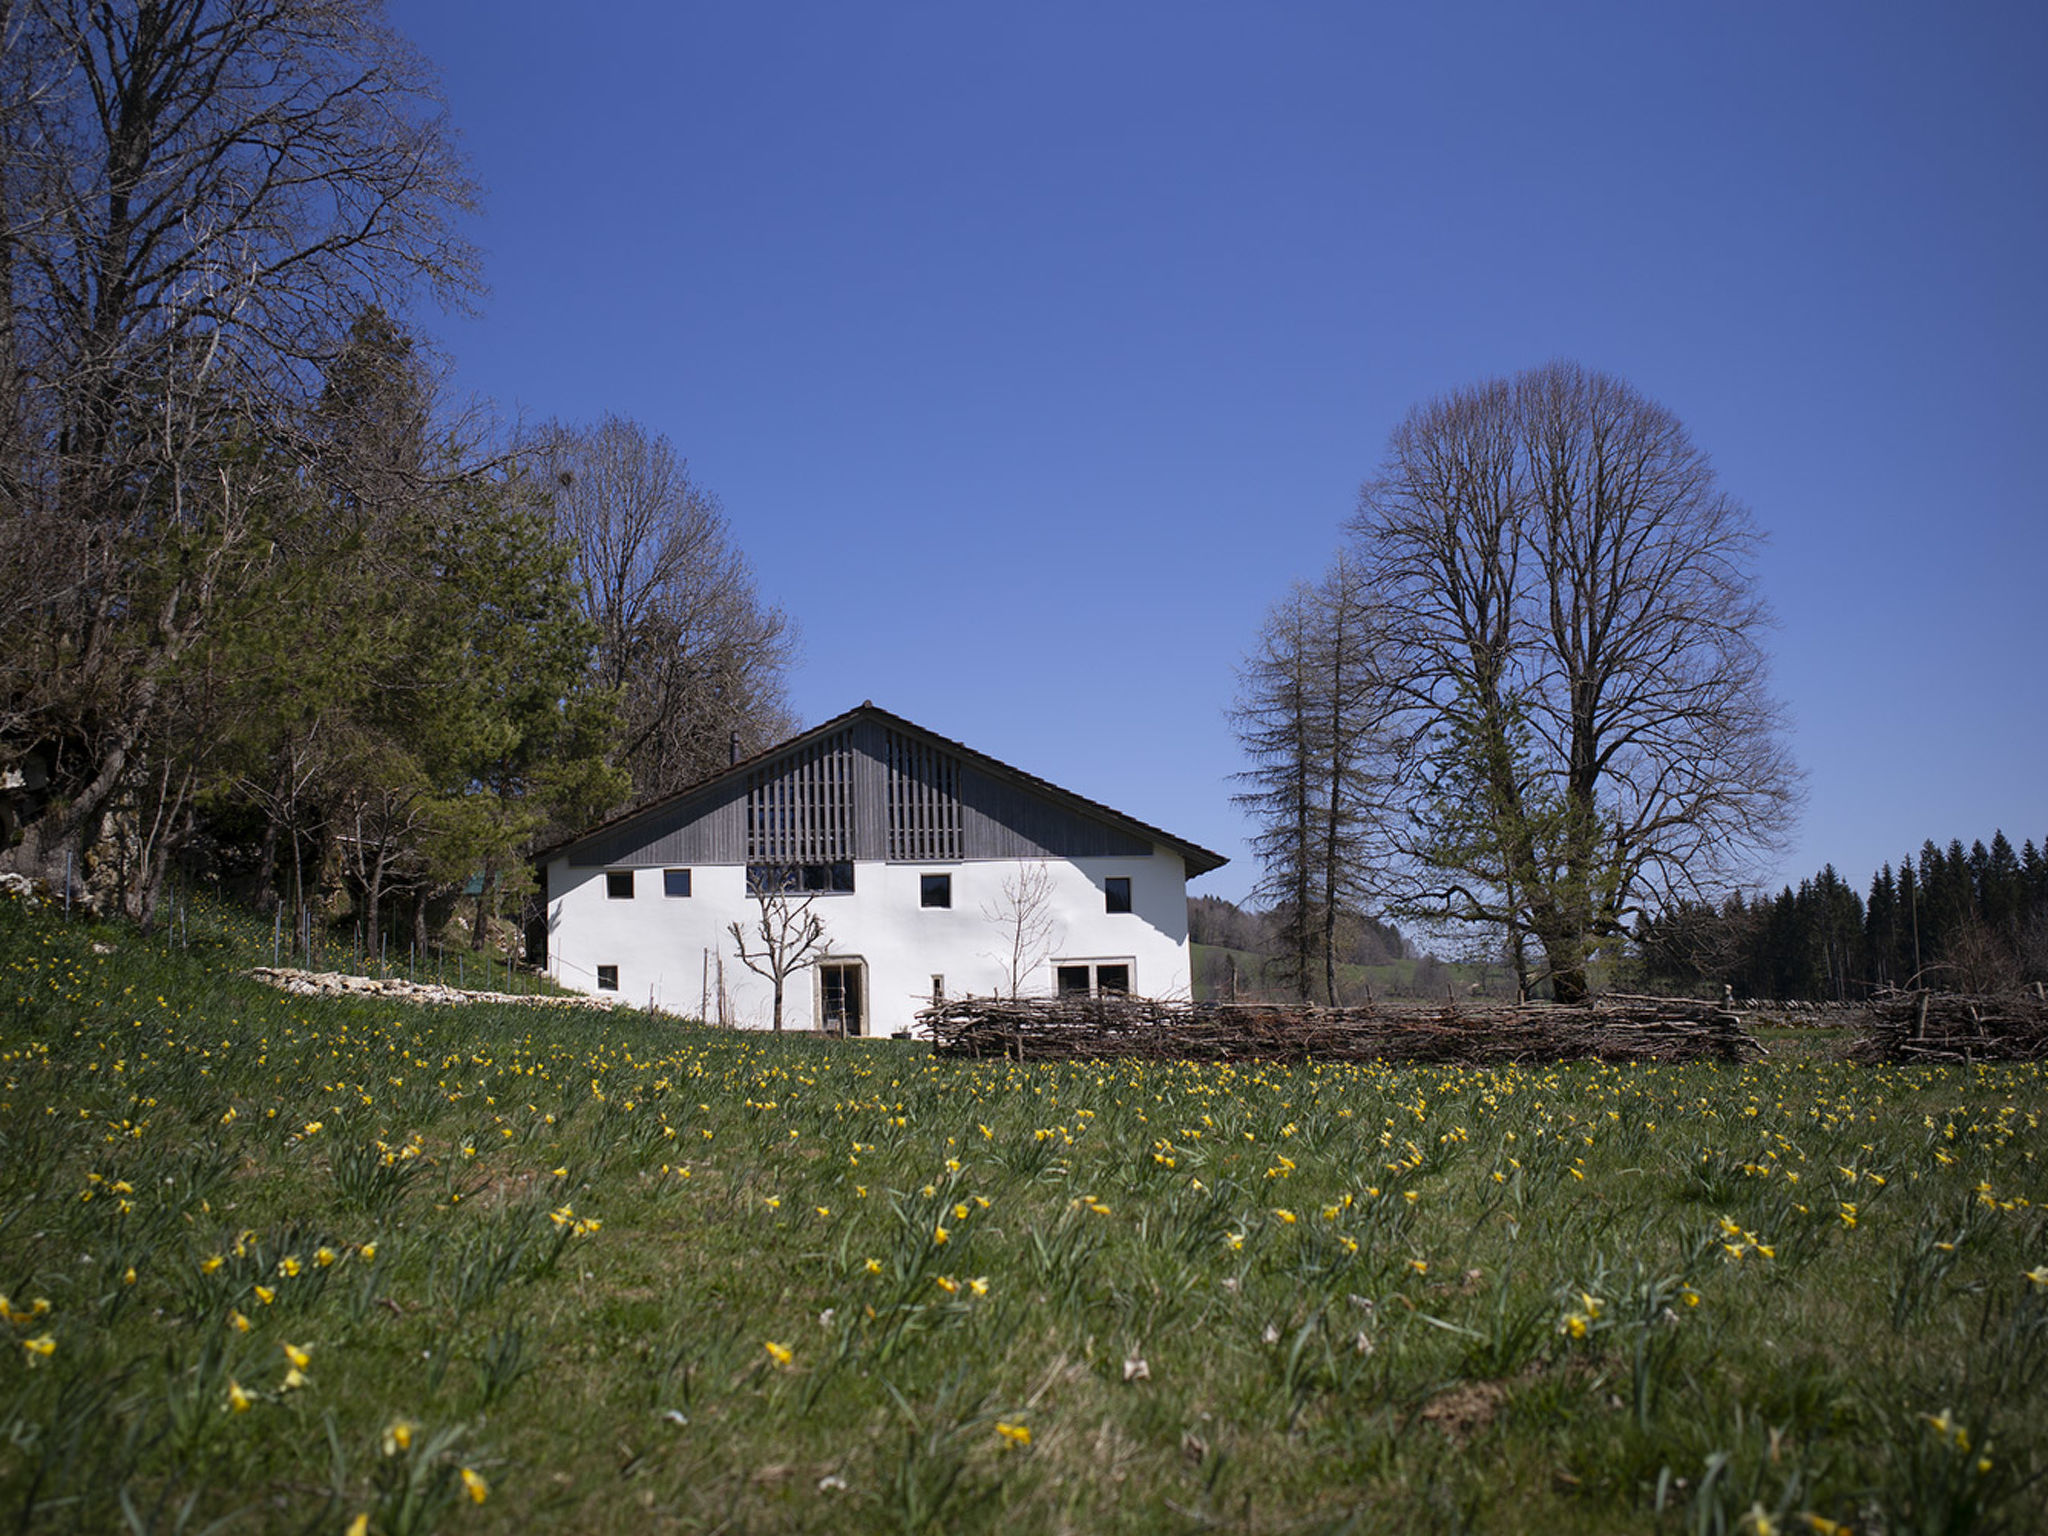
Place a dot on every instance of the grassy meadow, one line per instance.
(277, 1264)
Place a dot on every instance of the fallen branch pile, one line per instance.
(1121, 1028)
(1955, 1026)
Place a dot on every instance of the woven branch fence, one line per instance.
(1955, 1026)
(1131, 1028)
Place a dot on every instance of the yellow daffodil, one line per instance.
(368, 1251)
(397, 1437)
(474, 1485)
(1018, 1435)
(238, 1400)
(2038, 1275)
(40, 1348)
(265, 1294)
(360, 1526)
(874, 1266)
(940, 1235)
(288, 1266)
(298, 1357)
(780, 1354)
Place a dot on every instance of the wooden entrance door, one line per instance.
(839, 991)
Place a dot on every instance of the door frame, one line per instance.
(864, 1006)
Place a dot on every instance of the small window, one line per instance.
(935, 890)
(618, 884)
(938, 989)
(1112, 978)
(608, 975)
(1073, 980)
(1116, 894)
(675, 882)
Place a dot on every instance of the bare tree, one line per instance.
(1574, 643)
(786, 934)
(1023, 913)
(683, 636)
(1275, 719)
(1311, 714)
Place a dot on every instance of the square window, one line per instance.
(935, 890)
(1116, 894)
(618, 884)
(607, 978)
(1073, 980)
(1112, 978)
(675, 882)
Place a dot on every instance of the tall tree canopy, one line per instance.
(1572, 633)
(198, 200)
(683, 640)
(1311, 714)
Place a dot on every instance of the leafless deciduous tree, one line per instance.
(1024, 915)
(785, 936)
(684, 638)
(1311, 714)
(1574, 653)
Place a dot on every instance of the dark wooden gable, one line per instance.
(868, 786)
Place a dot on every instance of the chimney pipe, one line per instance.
(733, 749)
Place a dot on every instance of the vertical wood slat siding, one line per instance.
(800, 811)
(922, 800)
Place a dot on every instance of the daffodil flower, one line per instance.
(780, 1354)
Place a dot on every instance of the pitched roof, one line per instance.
(1199, 860)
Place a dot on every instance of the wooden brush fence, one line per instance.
(1955, 1026)
(1131, 1028)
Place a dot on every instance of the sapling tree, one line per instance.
(786, 934)
(1023, 914)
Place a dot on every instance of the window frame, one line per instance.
(668, 881)
(1093, 969)
(1116, 888)
(805, 880)
(601, 972)
(612, 877)
(935, 881)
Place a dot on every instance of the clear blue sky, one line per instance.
(1034, 350)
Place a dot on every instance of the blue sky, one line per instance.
(1033, 351)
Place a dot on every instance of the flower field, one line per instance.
(286, 1264)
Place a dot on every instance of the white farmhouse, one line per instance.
(916, 854)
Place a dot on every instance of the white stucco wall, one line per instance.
(661, 944)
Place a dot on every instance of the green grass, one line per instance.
(1391, 982)
(556, 1247)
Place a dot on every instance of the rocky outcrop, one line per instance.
(398, 990)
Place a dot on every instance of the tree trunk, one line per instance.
(778, 1006)
(482, 921)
